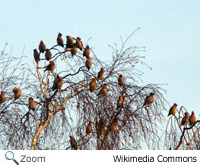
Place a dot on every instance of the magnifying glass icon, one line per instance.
(10, 156)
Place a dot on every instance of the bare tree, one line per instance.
(114, 113)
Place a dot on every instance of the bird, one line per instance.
(89, 128)
(113, 126)
(192, 118)
(88, 63)
(51, 66)
(101, 126)
(86, 51)
(2, 97)
(73, 143)
(93, 84)
(149, 99)
(185, 119)
(120, 102)
(36, 55)
(79, 43)
(100, 74)
(104, 89)
(48, 54)
(60, 40)
(58, 82)
(17, 93)
(74, 50)
(70, 42)
(42, 47)
(120, 80)
(32, 104)
(173, 110)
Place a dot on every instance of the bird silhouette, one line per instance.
(32, 104)
(120, 102)
(70, 41)
(36, 55)
(103, 90)
(74, 50)
(113, 126)
(2, 97)
(149, 99)
(100, 74)
(51, 66)
(48, 54)
(93, 84)
(79, 43)
(86, 51)
(88, 63)
(121, 80)
(185, 119)
(173, 110)
(17, 93)
(101, 126)
(60, 40)
(42, 46)
(89, 128)
(192, 118)
(58, 82)
(73, 143)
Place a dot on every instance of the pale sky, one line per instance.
(170, 31)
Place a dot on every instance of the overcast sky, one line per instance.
(170, 31)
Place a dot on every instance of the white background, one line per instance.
(95, 159)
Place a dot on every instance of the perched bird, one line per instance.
(58, 82)
(89, 128)
(86, 51)
(2, 97)
(101, 126)
(42, 47)
(79, 43)
(173, 110)
(17, 93)
(73, 143)
(88, 63)
(36, 55)
(100, 74)
(104, 89)
(113, 126)
(74, 50)
(51, 66)
(120, 102)
(32, 104)
(185, 119)
(149, 99)
(60, 40)
(70, 42)
(93, 84)
(120, 80)
(48, 54)
(192, 118)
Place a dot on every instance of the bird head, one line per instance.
(15, 90)
(187, 114)
(152, 94)
(30, 98)
(59, 34)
